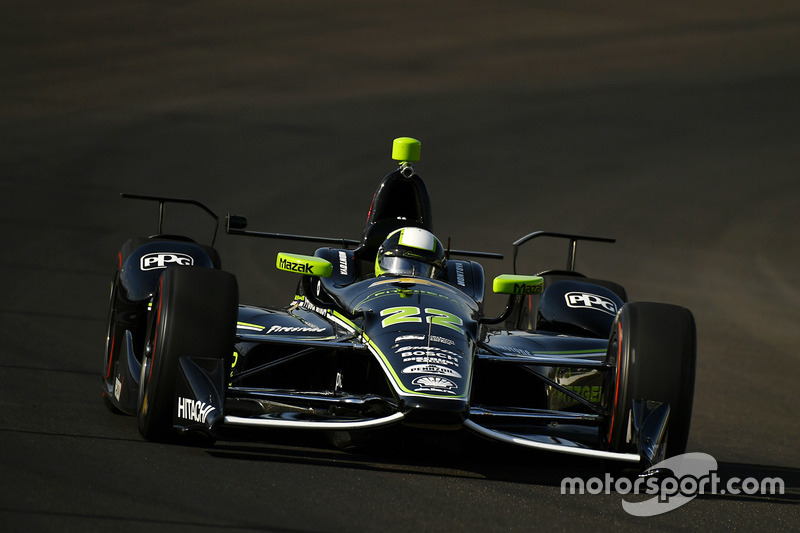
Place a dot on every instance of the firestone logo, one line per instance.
(691, 474)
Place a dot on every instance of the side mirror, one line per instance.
(516, 284)
(235, 222)
(517, 287)
(304, 264)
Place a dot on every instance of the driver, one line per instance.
(410, 252)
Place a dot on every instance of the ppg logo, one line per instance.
(164, 259)
(585, 300)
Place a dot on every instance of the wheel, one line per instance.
(194, 313)
(118, 379)
(652, 350)
(113, 334)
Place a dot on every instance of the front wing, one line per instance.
(336, 410)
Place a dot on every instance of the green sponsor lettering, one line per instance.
(304, 264)
(516, 284)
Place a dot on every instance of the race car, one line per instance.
(389, 330)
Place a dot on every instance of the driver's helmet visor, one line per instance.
(403, 266)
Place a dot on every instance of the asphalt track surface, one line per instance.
(673, 128)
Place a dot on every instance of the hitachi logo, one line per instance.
(194, 410)
(303, 268)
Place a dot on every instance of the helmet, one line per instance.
(410, 252)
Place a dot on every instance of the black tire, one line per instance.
(653, 350)
(194, 313)
(118, 386)
(113, 334)
(122, 315)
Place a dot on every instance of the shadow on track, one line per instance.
(462, 455)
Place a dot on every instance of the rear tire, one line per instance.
(653, 350)
(194, 313)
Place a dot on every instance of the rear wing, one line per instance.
(163, 200)
(573, 244)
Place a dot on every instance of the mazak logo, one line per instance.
(525, 288)
(164, 259)
(194, 410)
(587, 300)
(303, 268)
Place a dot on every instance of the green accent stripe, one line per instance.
(247, 325)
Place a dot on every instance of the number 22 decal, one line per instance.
(405, 313)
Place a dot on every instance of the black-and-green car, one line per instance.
(388, 331)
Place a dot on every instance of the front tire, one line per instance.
(113, 337)
(119, 386)
(653, 350)
(194, 315)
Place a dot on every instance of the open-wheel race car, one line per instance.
(390, 330)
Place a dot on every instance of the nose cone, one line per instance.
(436, 413)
